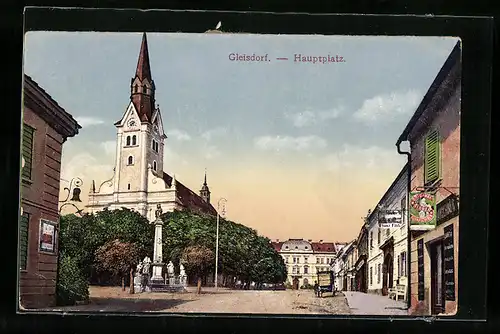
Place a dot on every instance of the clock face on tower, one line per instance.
(131, 123)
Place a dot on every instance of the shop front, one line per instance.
(361, 274)
(388, 266)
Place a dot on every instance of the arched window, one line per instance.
(154, 165)
(128, 187)
(144, 89)
(130, 160)
(128, 140)
(134, 140)
(136, 88)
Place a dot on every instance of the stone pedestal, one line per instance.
(158, 252)
(137, 283)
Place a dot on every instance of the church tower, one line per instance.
(205, 191)
(140, 135)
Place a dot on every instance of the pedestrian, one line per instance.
(316, 288)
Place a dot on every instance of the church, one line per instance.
(140, 182)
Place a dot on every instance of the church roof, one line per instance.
(189, 199)
(143, 70)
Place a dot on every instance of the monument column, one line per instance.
(158, 248)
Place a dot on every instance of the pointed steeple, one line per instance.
(205, 191)
(142, 86)
(143, 70)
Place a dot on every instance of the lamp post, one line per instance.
(223, 202)
(73, 191)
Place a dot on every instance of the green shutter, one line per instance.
(23, 240)
(27, 151)
(432, 157)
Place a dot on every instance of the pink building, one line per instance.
(434, 136)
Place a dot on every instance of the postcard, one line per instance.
(240, 173)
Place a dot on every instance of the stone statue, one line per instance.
(138, 268)
(170, 269)
(183, 272)
(158, 211)
(146, 265)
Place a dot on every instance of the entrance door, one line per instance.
(295, 283)
(437, 277)
(388, 273)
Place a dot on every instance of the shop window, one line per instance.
(432, 160)
(27, 151)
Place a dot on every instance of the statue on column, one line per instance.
(158, 211)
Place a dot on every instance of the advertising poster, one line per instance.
(422, 211)
(47, 236)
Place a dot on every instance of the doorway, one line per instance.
(388, 273)
(437, 277)
(295, 284)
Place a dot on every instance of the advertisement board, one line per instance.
(422, 211)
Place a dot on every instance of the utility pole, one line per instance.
(223, 202)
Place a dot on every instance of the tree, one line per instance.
(118, 258)
(198, 260)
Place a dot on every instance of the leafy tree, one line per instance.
(72, 285)
(198, 260)
(118, 258)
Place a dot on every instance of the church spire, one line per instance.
(142, 87)
(143, 70)
(205, 191)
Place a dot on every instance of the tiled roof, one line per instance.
(276, 245)
(189, 199)
(324, 247)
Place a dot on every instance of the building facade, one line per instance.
(388, 241)
(434, 136)
(342, 267)
(45, 128)
(361, 266)
(140, 181)
(304, 259)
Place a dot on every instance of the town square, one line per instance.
(156, 180)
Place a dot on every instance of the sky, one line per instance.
(298, 149)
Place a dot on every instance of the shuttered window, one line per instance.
(27, 151)
(23, 240)
(432, 164)
(399, 266)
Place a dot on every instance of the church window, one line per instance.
(136, 88)
(128, 140)
(144, 89)
(154, 166)
(134, 140)
(128, 186)
(130, 160)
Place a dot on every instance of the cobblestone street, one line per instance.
(112, 299)
(371, 304)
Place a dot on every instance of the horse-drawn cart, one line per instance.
(326, 283)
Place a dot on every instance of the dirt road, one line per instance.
(112, 299)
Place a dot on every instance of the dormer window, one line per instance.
(144, 89)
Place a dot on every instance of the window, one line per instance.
(317, 260)
(287, 259)
(306, 259)
(134, 140)
(403, 264)
(378, 236)
(136, 89)
(306, 269)
(321, 261)
(27, 151)
(23, 240)
(294, 260)
(128, 186)
(371, 239)
(128, 141)
(371, 275)
(144, 89)
(432, 160)
(130, 160)
(154, 166)
(399, 266)
(155, 146)
(378, 273)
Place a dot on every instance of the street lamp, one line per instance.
(73, 191)
(222, 202)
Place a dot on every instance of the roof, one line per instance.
(324, 247)
(37, 99)
(143, 70)
(144, 103)
(277, 245)
(189, 199)
(452, 59)
(304, 245)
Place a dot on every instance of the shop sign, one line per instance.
(447, 209)
(360, 264)
(422, 211)
(390, 219)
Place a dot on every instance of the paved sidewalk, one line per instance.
(371, 304)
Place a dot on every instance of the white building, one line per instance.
(304, 259)
(140, 181)
(339, 266)
(387, 247)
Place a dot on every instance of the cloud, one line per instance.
(87, 167)
(172, 159)
(212, 152)
(109, 147)
(85, 121)
(278, 143)
(386, 106)
(308, 117)
(210, 134)
(369, 158)
(179, 135)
